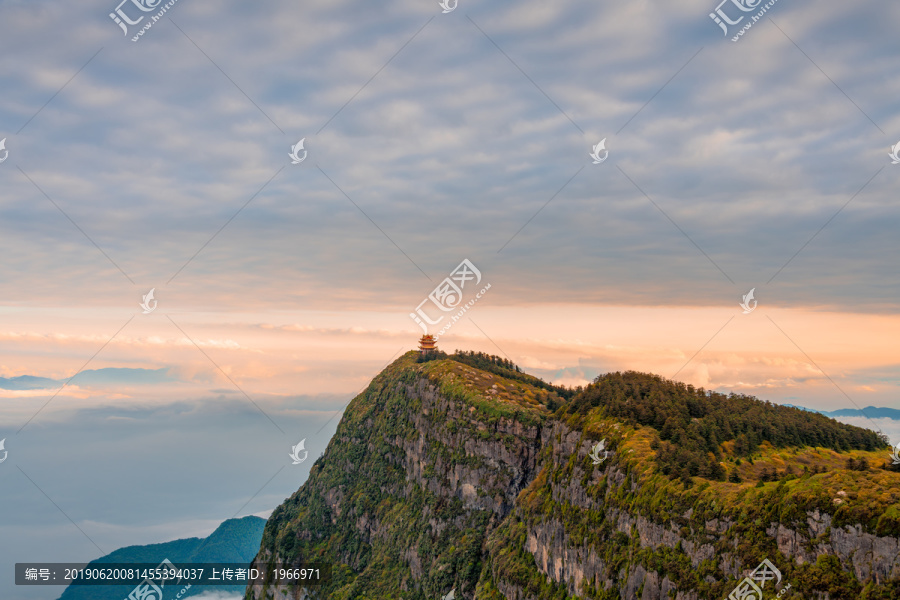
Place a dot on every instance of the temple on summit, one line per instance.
(427, 344)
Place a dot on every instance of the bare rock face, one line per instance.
(498, 472)
(442, 476)
(868, 556)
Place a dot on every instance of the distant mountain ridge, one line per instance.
(27, 382)
(234, 541)
(88, 377)
(872, 412)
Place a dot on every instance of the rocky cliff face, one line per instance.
(445, 477)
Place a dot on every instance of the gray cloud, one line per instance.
(450, 150)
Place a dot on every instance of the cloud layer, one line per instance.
(725, 158)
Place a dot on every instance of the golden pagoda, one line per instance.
(427, 344)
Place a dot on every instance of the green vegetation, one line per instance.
(694, 423)
(457, 472)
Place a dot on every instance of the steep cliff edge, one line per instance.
(442, 476)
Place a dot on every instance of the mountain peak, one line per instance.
(460, 472)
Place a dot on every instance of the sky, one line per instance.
(429, 139)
